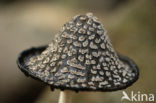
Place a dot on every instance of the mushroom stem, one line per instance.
(65, 96)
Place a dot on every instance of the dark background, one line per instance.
(131, 25)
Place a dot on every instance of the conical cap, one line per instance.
(81, 57)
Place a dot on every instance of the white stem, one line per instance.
(65, 96)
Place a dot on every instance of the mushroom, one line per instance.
(81, 58)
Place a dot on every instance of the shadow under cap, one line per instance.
(81, 58)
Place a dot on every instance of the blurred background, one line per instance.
(131, 25)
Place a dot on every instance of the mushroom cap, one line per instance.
(81, 57)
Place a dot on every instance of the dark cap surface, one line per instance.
(81, 57)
